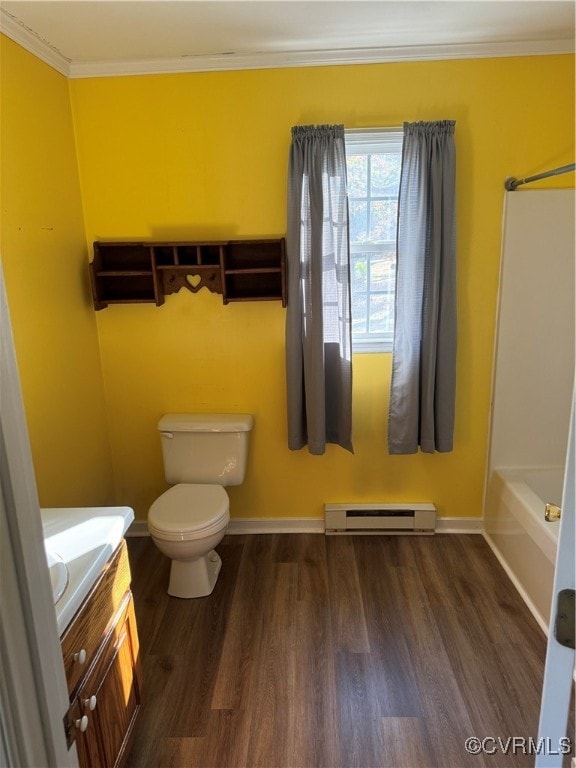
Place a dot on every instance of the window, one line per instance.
(373, 160)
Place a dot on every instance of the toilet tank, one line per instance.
(205, 447)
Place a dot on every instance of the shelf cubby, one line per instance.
(124, 273)
(255, 270)
(187, 254)
(257, 285)
(164, 255)
(120, 257)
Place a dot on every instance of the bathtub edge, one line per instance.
(516, 582)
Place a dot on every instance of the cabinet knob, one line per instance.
(90, 703)
(80, 657)
(82, 723)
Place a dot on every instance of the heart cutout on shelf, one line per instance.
(194, 281)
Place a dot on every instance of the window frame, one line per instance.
(372, 141)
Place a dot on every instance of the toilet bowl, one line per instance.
(203, 454)
(186, 523)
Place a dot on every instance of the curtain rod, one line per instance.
(511, 183)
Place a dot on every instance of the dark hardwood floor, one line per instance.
(336, 652)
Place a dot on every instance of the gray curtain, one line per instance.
(318, 321)
(424, 354)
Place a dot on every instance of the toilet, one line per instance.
(203, 453)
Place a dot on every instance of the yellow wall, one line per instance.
(43, 251)
(205, 155)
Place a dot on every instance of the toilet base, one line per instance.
(194, 578)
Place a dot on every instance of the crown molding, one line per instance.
(275, 60)
(224, 62)
(35, 45)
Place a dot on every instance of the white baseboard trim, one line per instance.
(314, 525)
(276, 525)
(138, 528)
(459, 524)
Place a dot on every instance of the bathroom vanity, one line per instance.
(90, 573)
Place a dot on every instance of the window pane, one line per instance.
(381, 313)
(378, 275)
(385, 174)
(358, 221)
(373, 182)
(359, 316)
(383, 272)
(359, 273)
(377, 313)
(383, 215)
(356, 167)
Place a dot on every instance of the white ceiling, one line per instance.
(107, 37)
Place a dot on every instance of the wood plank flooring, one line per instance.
(336, 652)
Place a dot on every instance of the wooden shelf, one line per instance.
(255, 271)
(126, 273)
(240, 270)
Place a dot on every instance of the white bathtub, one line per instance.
(515, 528)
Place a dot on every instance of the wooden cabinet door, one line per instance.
(93, 622)
(115, 681)
(87, 742)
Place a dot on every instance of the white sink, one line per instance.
(59, 575)
(79, 542)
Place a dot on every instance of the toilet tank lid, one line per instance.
(206, 422)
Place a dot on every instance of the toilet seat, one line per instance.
(189, 511)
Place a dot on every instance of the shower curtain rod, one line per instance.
(511, 183)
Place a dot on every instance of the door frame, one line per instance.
(33, 690)
(559, 667)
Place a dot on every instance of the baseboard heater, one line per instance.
(389, 519)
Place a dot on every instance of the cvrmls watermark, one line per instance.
(517, 745)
